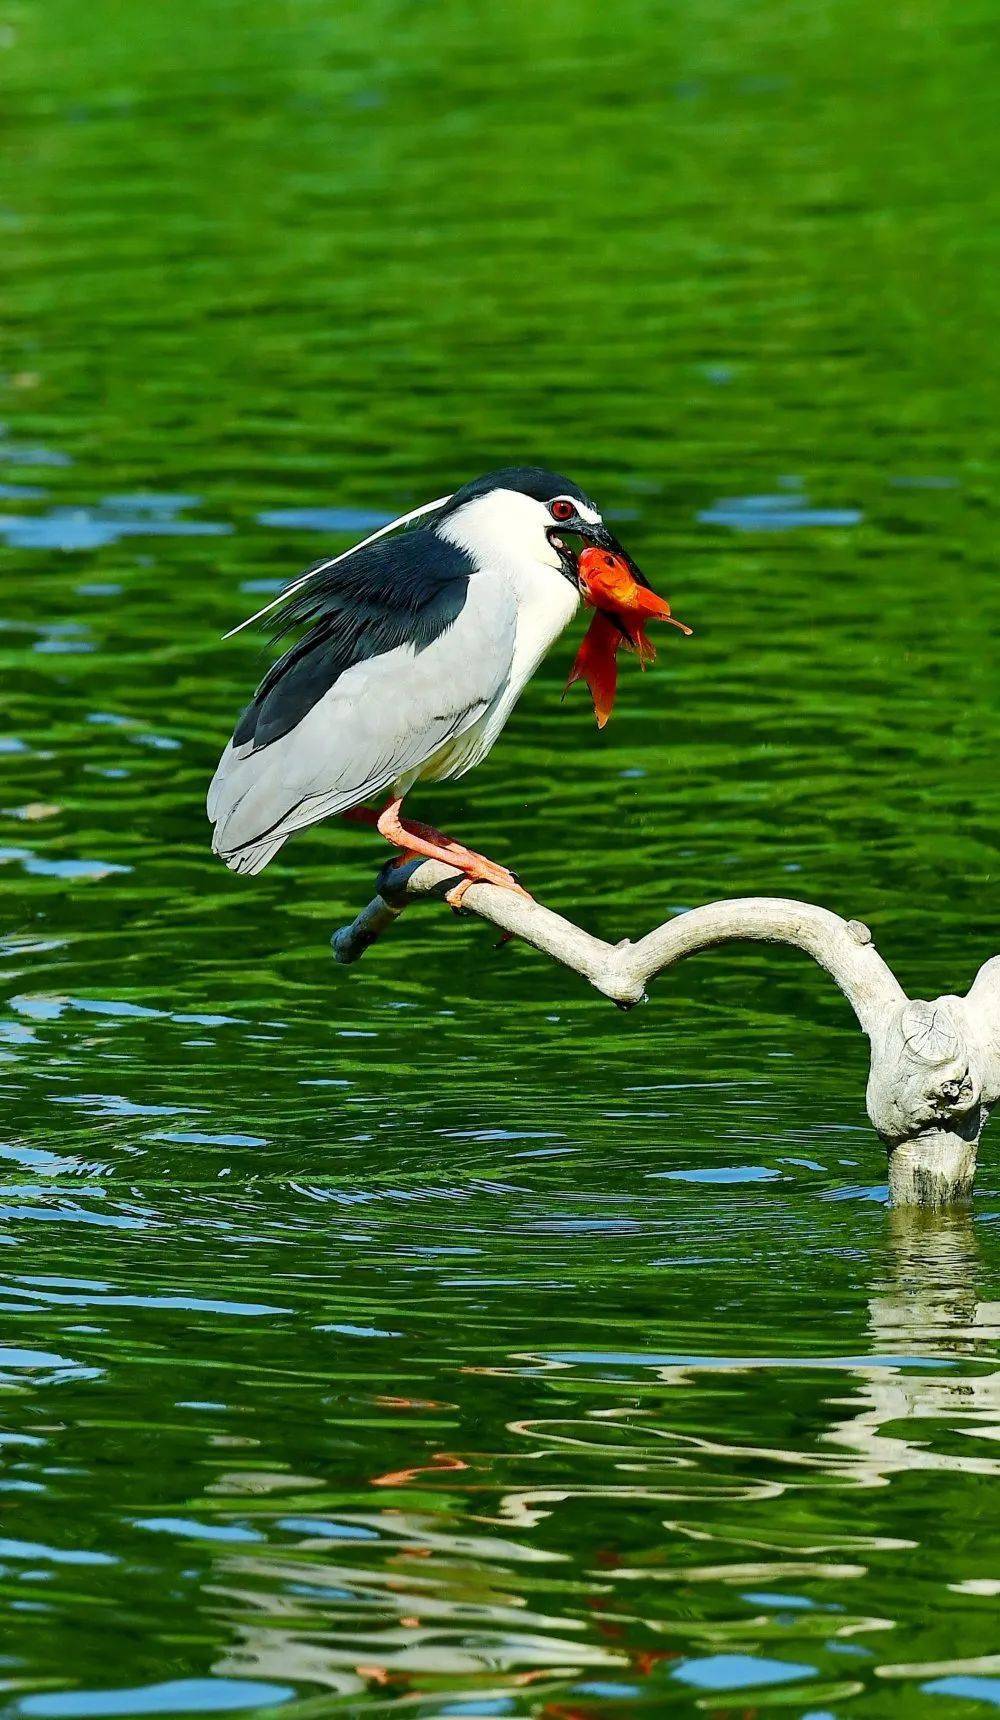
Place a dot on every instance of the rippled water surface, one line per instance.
(429, 1335)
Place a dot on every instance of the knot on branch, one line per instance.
(926, 1098)
(924, 1071)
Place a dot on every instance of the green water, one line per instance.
(430, 1336)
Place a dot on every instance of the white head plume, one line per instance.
(296, 585)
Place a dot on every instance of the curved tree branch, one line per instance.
(843, 947)
(935, 1067)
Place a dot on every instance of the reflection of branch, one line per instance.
(927, 1306)
(935, 1067)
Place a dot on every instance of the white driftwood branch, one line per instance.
(935, 1066)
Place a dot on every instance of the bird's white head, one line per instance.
(519, 520)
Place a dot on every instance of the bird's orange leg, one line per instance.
(416, 838)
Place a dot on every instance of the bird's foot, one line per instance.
(423, 839)
(486, 872)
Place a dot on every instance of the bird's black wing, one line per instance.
(403, 591)
(402, 657)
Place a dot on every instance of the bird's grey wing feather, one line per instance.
(380, 721)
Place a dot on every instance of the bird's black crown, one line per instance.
(534, 481)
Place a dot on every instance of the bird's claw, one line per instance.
(497, 875)
(453, 897)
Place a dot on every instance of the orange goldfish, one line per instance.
(624, 604)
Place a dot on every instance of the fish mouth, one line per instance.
(596, 536)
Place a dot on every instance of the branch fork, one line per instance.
(935, 1065)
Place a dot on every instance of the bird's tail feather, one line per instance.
(251, 860)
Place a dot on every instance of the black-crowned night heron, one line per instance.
(414, 648)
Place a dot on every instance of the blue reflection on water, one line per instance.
(973, 1688)
(739, 1671)
(116, 517)
(718, 1174)
(325, 519)
(38, 867)
(780, 513)
(176, 1696)
(188, 1528)
(53, 1555)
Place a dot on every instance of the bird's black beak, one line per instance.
(592, 535)
(599, 537)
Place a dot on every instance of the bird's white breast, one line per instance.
(504, 534)
(544, 602)
(538, 623)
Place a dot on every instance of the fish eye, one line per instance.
(561, 509)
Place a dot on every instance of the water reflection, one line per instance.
(115, 518)
(789, 510)
(929, 1306)
(661, 1521)
(459, 1582)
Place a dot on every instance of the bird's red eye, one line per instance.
(561, 509)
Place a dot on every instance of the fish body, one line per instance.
(623, 604)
